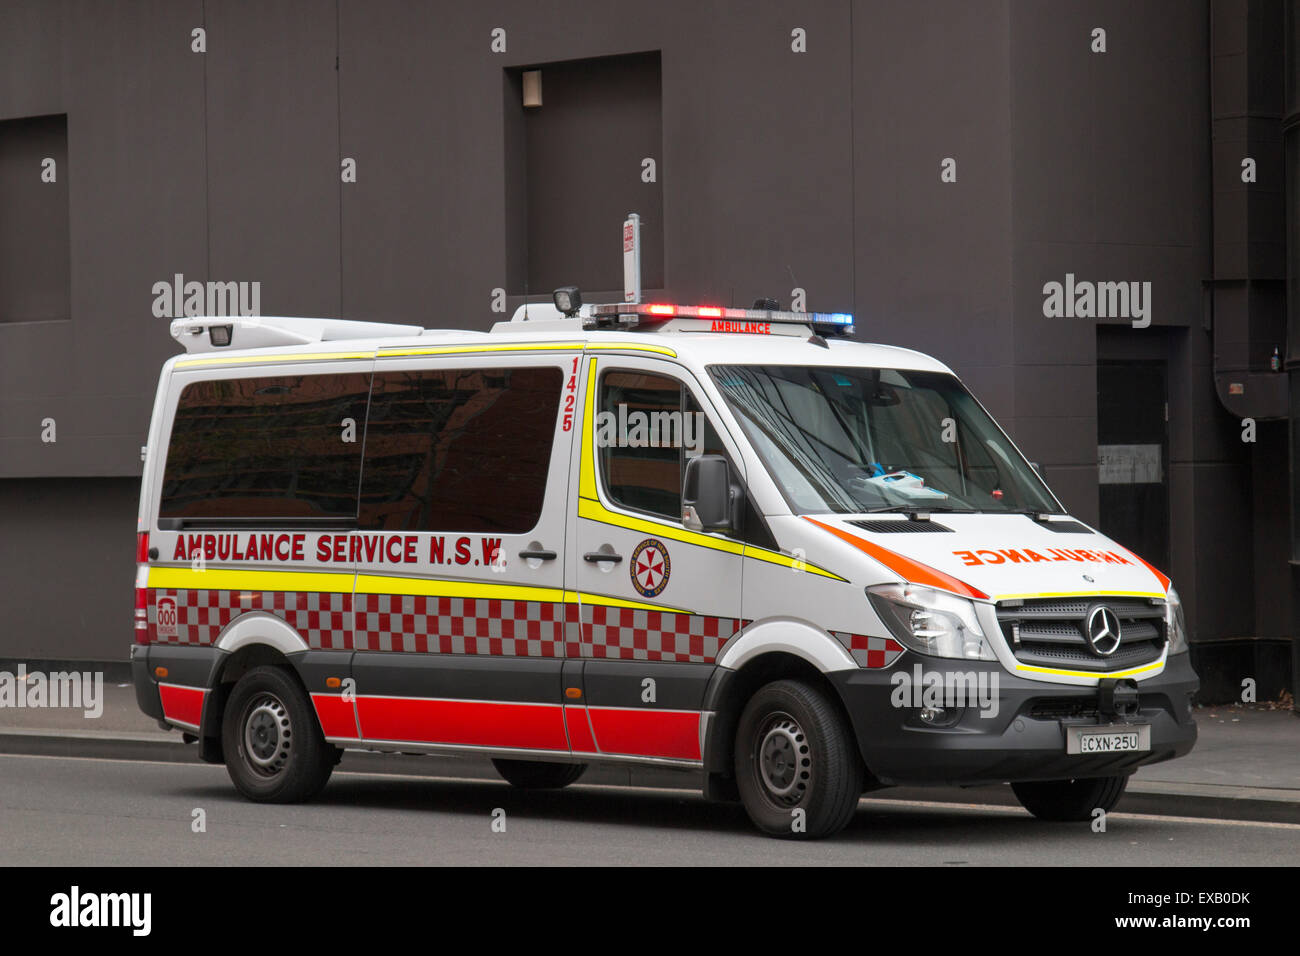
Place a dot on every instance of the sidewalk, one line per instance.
(1246, 763)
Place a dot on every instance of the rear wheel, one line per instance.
(1070, 800)
(274, 749)
(538, 774)
(797, 766)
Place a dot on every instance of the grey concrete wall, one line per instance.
(933, 259)
(136, 182)
(69, 559)
(1111, 182)
(819, 170)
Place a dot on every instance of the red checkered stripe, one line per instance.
(323, 619)
(633, 634)
(442, 625)
(873, 652)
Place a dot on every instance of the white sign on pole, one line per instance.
(632, 258)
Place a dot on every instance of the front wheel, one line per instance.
(797, 766)
(1070, 800)
(274, 749)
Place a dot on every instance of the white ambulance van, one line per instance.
(731, 541)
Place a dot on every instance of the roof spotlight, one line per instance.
(567, 299)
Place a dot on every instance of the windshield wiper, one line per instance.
(914, 509)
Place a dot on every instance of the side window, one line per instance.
(647, 426)
(276, 447)
(640, 471)
(463, 449)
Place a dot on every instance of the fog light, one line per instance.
(932, 715)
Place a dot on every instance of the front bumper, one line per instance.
(1019, 732)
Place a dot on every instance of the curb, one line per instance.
(1209, 801)
(1242, 804)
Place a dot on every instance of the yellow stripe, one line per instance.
(497, 347)
(785, 560)
(528, 347)
(1127, 673)
(433, 587)
(221, 579)
(431, 350)
(630, 347)
(602, 599)
(1066, 594)
(587, 471)
(595, 511)
(263, 359)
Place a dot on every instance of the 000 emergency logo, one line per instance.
(650, 567)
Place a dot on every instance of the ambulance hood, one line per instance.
(998, 556)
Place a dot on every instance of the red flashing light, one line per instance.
(662, 309)
(142, 594)
(141, 616)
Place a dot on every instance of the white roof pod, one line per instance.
(213, 333)
(543, 317)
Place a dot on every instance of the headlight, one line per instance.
(931, 622)
(1175, 626)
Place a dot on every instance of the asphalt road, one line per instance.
(97, 812)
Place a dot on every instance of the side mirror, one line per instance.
(710, 502)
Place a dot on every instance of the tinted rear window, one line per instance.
(459, 449)
(266, 448)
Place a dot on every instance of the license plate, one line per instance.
(1112, 739)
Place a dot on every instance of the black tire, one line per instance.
(274, 749)
(794, 752)
(1065, 801)
(538, 774)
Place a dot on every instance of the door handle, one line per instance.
(594, 557)
(538, 554)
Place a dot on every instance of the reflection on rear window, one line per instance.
(266, 448)
(463, 449)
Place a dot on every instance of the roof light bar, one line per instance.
(835, 323)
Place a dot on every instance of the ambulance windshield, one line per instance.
(852, 440)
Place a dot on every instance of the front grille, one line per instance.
(1052, 632)
(1069, 708)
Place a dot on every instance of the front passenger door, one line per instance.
(658, 601)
